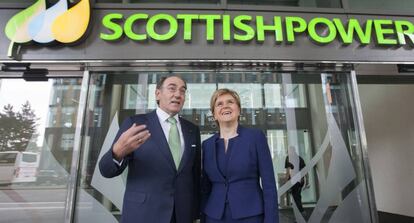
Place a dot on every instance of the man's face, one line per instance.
(171, 95)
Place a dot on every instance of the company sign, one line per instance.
(44, 25)
(244, 28)
(66, 23)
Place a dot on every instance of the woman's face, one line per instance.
(226, 109)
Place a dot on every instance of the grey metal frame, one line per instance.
(70, 203)
(364, 147)
(345, 4)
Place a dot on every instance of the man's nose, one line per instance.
(177, 94)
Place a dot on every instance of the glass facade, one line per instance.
(311, 112)
(37, 130)
(161, 2)
(292, 3)
(404, 6)
(396, 5)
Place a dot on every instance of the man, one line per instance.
(162, 152)
(293, 164)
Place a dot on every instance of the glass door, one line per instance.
(37, 129)
(310, 120)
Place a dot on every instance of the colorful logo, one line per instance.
(60, 23)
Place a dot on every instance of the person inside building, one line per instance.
(162, 153)
(238, 182)
(293, 164)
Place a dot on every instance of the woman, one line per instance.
(234, 162)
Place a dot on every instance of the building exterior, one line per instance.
(332, 78)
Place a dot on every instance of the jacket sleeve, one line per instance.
(205, 185)
(107, 165)
(271, 212)
(197, 177)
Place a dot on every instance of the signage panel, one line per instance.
(201, 35)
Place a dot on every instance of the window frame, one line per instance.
(224, 5)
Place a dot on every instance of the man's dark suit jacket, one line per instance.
(154, 186)
(249, 163)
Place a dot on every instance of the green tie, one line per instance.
(174, 141)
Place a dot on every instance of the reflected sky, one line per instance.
(17, 91)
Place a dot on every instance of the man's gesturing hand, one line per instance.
(130, 140)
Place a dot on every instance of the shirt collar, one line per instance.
(163, 116)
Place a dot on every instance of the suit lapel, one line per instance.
(159, 138)
(236, 144)
(213, 145)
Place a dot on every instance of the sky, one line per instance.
(17, 91)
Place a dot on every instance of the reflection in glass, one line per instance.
(36, 141)
(163, 1)
(396, 5)
(276, 98)
(292, 3)
(135, 96)
(198, 95)
(312, 114)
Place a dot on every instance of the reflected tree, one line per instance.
(17, 129)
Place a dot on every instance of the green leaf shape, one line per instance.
(17, 27)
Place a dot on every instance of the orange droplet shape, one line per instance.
(71, 25)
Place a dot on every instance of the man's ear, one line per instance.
(157, 93)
